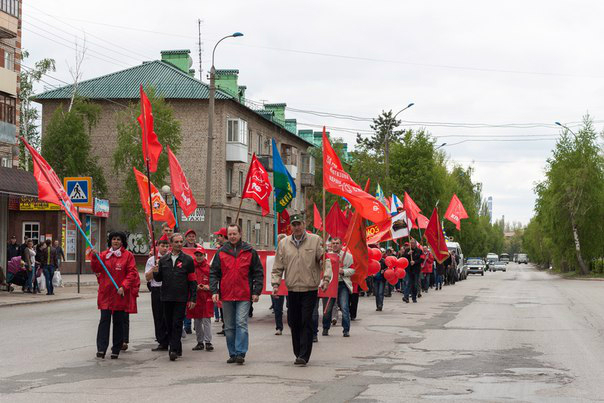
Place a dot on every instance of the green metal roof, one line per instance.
(168, 81)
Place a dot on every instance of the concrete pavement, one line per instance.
(522, 335)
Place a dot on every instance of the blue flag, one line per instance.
(283, 183)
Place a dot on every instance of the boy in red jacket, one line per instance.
(204, 307)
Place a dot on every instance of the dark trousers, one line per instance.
(413, 281)
(299, 319)
(102, 336)
(161, 334)
(278, 308)
(126, 327)
(49, 271)
(378, 287)
(174, 314)
(354, 304)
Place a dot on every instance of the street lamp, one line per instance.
(387, 139)
(171, 202)
(440, 146)
(567, 128)
(211, 135)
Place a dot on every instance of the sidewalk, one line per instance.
(69, 291)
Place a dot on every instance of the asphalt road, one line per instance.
(521, 335)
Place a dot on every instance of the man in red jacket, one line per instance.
(236, 277)
(115, 303)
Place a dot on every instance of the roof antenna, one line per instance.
(199, 47)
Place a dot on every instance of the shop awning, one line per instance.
(17, 182)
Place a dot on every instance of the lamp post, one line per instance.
(567, 128)
(387, 139)
(440, 146)
(211, 136)
(171, 202)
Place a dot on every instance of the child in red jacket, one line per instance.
(204, 307)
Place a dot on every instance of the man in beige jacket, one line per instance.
(299, 259)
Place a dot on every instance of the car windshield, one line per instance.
(474, 261)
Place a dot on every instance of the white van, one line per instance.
(462, 272)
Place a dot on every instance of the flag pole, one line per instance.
(146, 148)
(324, 237)
(276, 218)
(239, 210)
(90, 244)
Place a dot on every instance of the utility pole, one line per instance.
(387, 138)
(199, 48)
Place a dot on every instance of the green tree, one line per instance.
(28, 114)
(128, 154)
(384, 128)
(66, 144)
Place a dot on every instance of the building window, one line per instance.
(259, 139)
(308, 164)
(31, 230)
(6, 162)
(9, 60)
(248, 231)
(229, 180)
(10, 7)
(237, 131)
(8, 109)
(251, 140)
(257, 233)
(267, 231)
(241, 182)
(229, 219)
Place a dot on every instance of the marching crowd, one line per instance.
(186, 292)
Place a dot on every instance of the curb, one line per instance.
(41, 302)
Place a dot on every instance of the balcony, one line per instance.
(8, 26)
(266, 161)
(308, 179)
(236, 152)
(293, 170)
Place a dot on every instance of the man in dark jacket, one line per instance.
(49, 263)
(236, 279)
(413, 255)
(12, 249)
(176, 271)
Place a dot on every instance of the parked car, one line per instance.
(498, 266)
(504, 257)
(491, 257)
(476, 265)
(522, 258)
(462, 271)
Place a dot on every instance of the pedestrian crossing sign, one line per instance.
(79, 191)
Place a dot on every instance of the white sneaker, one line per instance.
(184, 334)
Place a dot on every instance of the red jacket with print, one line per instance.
(123, 270)
(236, 272)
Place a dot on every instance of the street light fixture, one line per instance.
(208, 175)
(440, 146)
(567, 128)
(387, 139)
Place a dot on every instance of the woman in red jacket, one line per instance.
(115, 303)
(204, 308)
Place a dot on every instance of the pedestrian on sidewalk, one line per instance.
(12, 249)
(28, 257)
(60, 254)
(236, 279)
(161, 333)
(113, 303)
(299, 259)
(49, 263)
(379, 284)
(176, 272)
(201, 314)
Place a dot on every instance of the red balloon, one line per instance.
(400, 273)
(374, 267)
(389, 274)
(375, 254)
(390, 261)
(393, 281)
(402, 263)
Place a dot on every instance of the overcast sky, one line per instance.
(478, 72)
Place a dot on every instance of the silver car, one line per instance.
(498, 266)
(475, 265)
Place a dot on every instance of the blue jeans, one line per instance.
(235, 314)
(439, 280)
(344, 304)
(187, 324)
(49, 271)
(278, 308)
(378, 286)
(406, 286)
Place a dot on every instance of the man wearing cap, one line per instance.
(221, 236)
(236, 279)
(190, 239)
(298, 259)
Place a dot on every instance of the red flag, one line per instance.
(180, 187)
(337, 181)
(257, 185)
(317, 221)
(411, 208)
(436, 239)
(161, 211)
(422, 221)
(336, 223)
(357, 246)
(455, 212)
(50, 187)
(380, 232)
(151, 146)
(283, 224)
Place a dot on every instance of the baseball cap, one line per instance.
(200, 249)
(191, 231)
(296, 218)
(222, 231)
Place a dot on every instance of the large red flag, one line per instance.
(337, 181)
(455, 212)
(317, 221)
(357, 246)
(411, 208)
(151, 146)
(257, 185)
(283, 224)
(50, 187)
(422, 221)
(180, 187)
(436, 238)
(336, 223)
(161, 211)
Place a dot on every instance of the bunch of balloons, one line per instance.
(396, 267)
